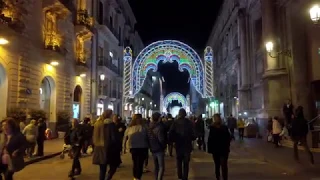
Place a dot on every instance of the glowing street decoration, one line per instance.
(208, 61)
(175, 96)
(168, 51)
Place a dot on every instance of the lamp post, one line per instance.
(102, 77)
(315, 14)
(270, 49)
(286, 52)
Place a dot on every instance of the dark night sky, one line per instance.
(189, 21)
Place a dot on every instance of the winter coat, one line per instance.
(156, 135)
(31, 133)
(299, 128)
(219, 140)
(232, 122)
(136, 137)
(182, 133)
(276, 127)
(107, 150)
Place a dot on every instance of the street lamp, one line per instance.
(3, 41)
(102, 77)
(142, 99)
(270, 48)
(83, 75)
(315, 14)
(150, 103)
(54, 63)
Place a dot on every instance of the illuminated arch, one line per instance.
(167, 51)
(175, 96)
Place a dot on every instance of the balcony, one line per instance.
(106, 62)
(11, 17)
(84, 23)
(81, 68)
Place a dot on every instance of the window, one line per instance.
(100, 13)
(111, 23)
(258, 33)
(120, 32)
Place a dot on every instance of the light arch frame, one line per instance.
(175, 96)
(167, 51)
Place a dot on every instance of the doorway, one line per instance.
(76, 107)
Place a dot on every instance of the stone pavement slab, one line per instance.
(282, 157)
(243, 165)
(52, 148)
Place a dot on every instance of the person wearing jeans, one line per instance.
(157, 136)
(107, 146)
(182, 133)
(219, 146)
(136, 137)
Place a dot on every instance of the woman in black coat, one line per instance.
(219, 146)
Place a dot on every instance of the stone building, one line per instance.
(51, 52)
(249, 80)
(115, 30)
(46, 63)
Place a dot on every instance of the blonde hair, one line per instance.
(33, 122)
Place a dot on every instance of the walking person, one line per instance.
(182, 134)
(299, 134)
(107, 145)
(241, 126)
(219, 146)
(232, 124)
(168, 125)
(14, 148)
(136, 137)
(31, 133)
(200, 133)
(75, 136)
(288, 114)
(276, 130)
(156, 134)
(120, 128)
(42, 127)
(88, 132)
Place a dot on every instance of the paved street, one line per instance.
(243, 166)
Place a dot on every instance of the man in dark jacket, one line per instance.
(182, 134)
(42, 127)
(75, 134)
(156, 135)
(299, 134)
(232, 124)
(168, 125)
(200, 133)
(88, 132)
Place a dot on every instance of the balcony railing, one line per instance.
(107, 62)
(52, 41)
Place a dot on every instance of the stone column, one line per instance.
(275, 79)
(243, 80)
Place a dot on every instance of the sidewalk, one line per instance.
(282, 158)
(51, 148)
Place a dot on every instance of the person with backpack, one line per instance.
(182, 133)
(157, 143)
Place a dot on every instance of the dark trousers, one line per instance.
(139, 156)
(201, 143)
(146, 162)
(303, 141)
(221, 162)
(232, 132)
(183, 159)
(76, 150)
(241, 133)
(85, 146)
(276, 139)
(103, 171)
(40, 143)
(170, 148)
(8, 175)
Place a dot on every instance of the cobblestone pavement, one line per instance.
(242, 166)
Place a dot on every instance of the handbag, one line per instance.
(269, 138)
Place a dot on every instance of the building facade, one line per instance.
(45, 64)
(254, 83)
(64, 56)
